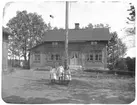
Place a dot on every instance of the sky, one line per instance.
(112, 13)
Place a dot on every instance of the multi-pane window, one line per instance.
(98, 57)
(37, 57)
(54, 56)
(94, 56)
(93, 43)
(57, 57)
(90, 57)
(54, 44)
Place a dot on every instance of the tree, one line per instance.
(91, 26)
(49, 26)
(116, 49)
(132, 13)
(101, 25)
(28, 30)
(55, 28)
(131, 19)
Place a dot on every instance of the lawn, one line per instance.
(30, 87)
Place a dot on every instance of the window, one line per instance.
(93, 43)
(98, 57)
(55, 57)
(95, 56)
(54, 43)
(90, 57)
(52, 57)
(37, 57)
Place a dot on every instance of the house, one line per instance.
(6, 33)
(86, 49)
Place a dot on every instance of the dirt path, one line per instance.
(34, 87)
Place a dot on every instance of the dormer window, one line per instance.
(54, 43)
(93, 43)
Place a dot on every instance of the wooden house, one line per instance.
(86, 49)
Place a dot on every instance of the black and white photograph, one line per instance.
(68, 52)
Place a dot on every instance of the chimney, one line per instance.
(76, 25)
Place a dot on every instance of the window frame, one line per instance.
(96, 56)
(89, 57)
(54, 44)
(99, 57)
(37, 57)
(54, 57)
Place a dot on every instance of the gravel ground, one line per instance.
(34, 87)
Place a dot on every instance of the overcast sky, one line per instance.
(112, 13)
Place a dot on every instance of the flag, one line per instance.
(51, 16)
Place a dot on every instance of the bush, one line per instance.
(121, 64)
(130, 62)
(26, 65)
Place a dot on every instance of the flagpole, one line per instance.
(66, 37)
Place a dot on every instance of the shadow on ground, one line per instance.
(86, 100)
(19, 100)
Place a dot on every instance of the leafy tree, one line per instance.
(131, 19)
(132, 13)
(101, 25)
(116, 49)
(49, 27)
(55, 28)
(28, 30)
(91, 26)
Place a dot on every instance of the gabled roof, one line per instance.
(78, 35)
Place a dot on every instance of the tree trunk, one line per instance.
(25, 60)
(29, 60)
(19, 60)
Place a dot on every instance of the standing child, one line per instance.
(53, 76)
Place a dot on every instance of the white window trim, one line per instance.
(88, 57)
(98, 57)
(94, 56)
(36, 59)
(54, 56)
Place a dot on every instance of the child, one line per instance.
(53, 76)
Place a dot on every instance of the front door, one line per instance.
(74, 58)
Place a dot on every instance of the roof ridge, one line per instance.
(78, 29)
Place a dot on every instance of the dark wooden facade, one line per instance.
(82, 54)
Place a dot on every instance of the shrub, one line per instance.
(130, 62)
(121, 64)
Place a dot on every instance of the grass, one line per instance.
(108, 81)
(85, 87)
